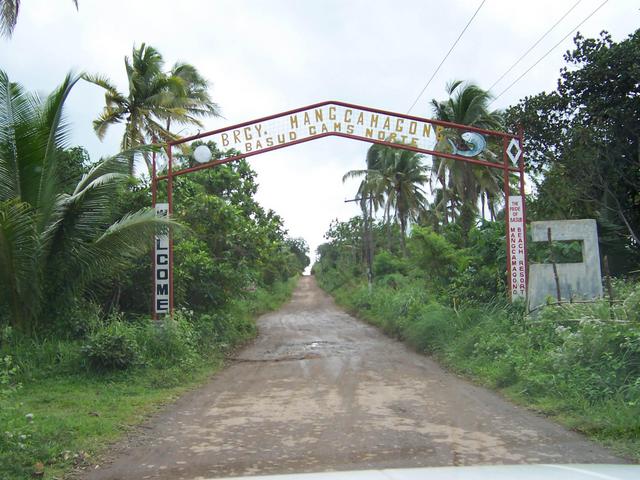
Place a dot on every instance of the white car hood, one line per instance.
(499, 472)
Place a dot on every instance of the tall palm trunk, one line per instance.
(402, 216)
(367, 211)
(403, 233)
(445, 201)
(388, 227)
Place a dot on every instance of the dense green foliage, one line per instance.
(73, 233)
(453, 273)
(230, 245)
(57, 234)
(583, 144)
(233, 241)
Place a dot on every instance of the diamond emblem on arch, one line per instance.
(514, 151)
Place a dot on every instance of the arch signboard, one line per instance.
(492, 149)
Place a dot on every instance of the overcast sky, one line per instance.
(264, 57)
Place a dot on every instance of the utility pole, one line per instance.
(367, 235)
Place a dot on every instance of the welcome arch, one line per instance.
(333, 118)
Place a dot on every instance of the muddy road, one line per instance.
(320, 390)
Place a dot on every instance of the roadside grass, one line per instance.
(612, 423)
(570, 363)
(75, 417)
(64, 414)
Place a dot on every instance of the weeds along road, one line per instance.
(320, 390)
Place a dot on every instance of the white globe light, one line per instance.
(202, 154)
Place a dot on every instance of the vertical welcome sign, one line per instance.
(517, 242)
(161, 260)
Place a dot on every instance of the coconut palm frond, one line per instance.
(155, 100)
(44, 230)
(462, 184)
(8, 16)
(19, 249)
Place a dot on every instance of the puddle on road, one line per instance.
(299, 351)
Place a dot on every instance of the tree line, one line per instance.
(581, 155)
(75, 233)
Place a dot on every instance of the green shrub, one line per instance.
(360, 299)
(43, 358)
(433, 328)
(8, 372)
(482, 275)
(505, 374)
(434, 257)
(392, 280)
(169, 376)
(112, 347)
(477, 285)
(172, 341)
(632, 305)
(76, 319)
(232, 325)
(386, 263)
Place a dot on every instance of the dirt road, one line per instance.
(320, 390)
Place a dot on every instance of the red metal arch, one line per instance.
(285, 114)
(508, 141)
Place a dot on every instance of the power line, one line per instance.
(534, 45)
(550, 50)
(445, 57)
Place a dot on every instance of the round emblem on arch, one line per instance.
(202, 154)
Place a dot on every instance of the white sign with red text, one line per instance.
(517, 243)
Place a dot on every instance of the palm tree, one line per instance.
(374, 183)
(52, 243)
(467, 104)
(407, 196)
(155, 99)
(371, 193)
(190, 92)
(394, 179)
(9, 10)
